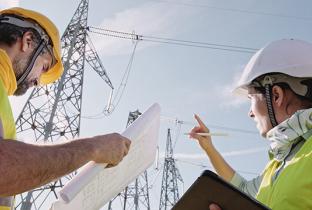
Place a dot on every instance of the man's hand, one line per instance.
(214, 207)
(38, 165)
(110, 148)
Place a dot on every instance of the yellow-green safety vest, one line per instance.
(7, 87)
(292, 190)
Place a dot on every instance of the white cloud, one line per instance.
(244, 152)
(197, 156)
(221, 92)
(8, 3)
(229, 98)
(148, 19)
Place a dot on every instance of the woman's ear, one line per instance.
(27, 41)
(278, 95)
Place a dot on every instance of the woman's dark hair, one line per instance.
(307, 100)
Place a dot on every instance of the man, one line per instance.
(278, 82)
(30, 55)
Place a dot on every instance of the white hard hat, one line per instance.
(286, 56)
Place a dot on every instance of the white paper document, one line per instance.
(95, 185)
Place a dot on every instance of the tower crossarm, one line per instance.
(95, 62)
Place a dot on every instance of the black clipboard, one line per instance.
(210, 188)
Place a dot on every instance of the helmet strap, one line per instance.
(31, 62)
(268, 97)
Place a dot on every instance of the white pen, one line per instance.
(209, 134)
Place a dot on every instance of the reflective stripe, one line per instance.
(6, 202)
(1, 129)
(8, 131)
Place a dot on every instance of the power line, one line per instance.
(163, 40)
(201, 43)
(232, 129)
(234, 10)
(124, 81)
(198, 46)
(175, 120)
(210, 167)
(120, 91)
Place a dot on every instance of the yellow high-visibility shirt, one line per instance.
(292, 190)
(7, 87)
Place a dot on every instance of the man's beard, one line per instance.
(19, 66)
(21, 88)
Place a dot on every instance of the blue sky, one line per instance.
(183, 80)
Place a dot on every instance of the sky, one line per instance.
(183, 80)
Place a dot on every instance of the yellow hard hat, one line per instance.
(45, 23)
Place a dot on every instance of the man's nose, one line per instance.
(36, 82)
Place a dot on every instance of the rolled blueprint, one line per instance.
(95, 185)
(73, 187)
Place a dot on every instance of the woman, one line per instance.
(278, 82)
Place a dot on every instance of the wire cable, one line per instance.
(175, 120)
(198, 46)
(200, 43)
(210, 167)
(234, 10)
(124, 81)
(120, 91)
(163, 40)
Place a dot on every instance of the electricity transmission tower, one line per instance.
(169, 187)
(53, 112)
(136, 195)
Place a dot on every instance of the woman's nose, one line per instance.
(251, 114)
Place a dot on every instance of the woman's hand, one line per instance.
(204, 141)
(216, 159)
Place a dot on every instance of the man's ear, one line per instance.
(27, 41)
(278, 95)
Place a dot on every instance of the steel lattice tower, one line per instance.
(136, 195)
(53, 112)
(169, 187)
